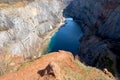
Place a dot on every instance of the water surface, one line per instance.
(67, 38)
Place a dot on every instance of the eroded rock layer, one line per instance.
(25, 24)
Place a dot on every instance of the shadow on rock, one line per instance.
(52, 71)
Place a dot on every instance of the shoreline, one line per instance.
(47, 38)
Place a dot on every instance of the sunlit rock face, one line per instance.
(23, 29)
(100, 21)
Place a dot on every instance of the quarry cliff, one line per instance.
(99, 19)
(26, 25)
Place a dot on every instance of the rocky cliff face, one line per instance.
(25, 24)
(100, 22)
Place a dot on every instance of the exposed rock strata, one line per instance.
(23, 28)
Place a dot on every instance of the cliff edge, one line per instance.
(57, 66)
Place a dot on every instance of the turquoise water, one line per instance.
(67, 38)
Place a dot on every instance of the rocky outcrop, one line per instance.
(24, 25)
(57, 66)
(51, 72)
(99, 20)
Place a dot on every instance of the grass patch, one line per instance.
(78, 63)
(71, 75)
(102, 77)
(82, 66)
